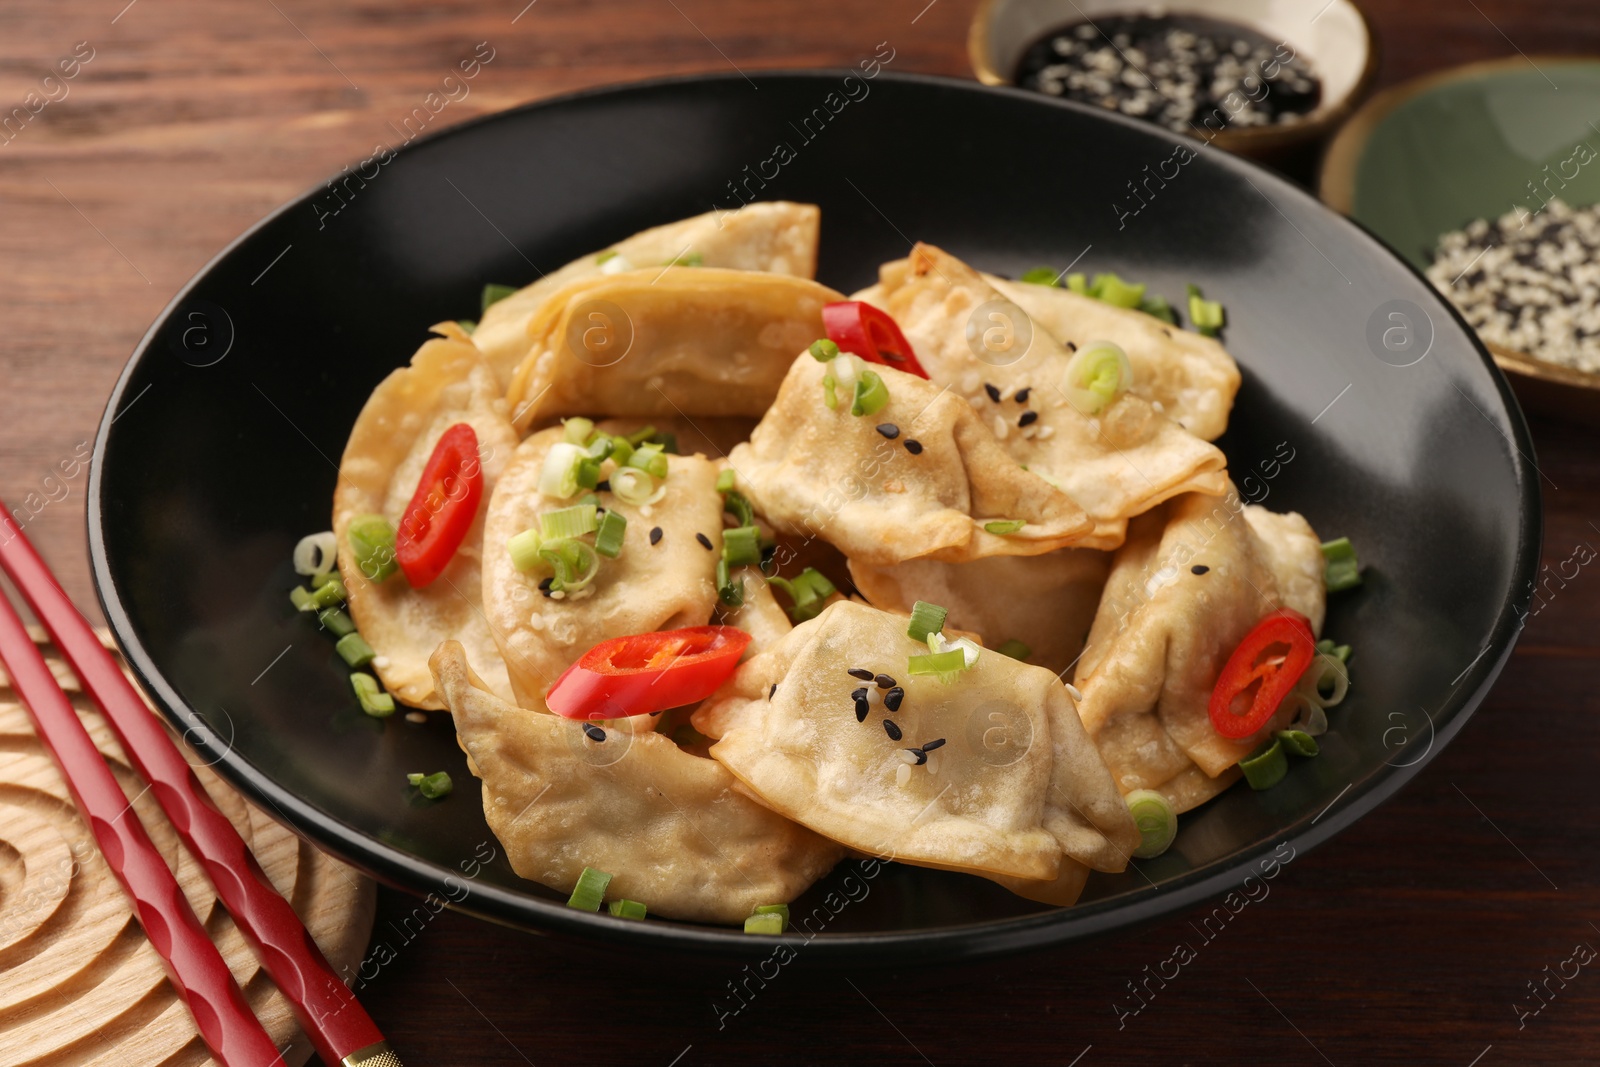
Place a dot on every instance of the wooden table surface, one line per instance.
(1412, 938)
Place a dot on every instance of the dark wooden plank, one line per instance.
(1410, 938)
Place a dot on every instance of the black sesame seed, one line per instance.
(889, 430)
(891, 729)
(1199, 568)
(893, 697)
(544, 586)
(860, 672)
(884, 681)
(773, 691)
(604, 487)
(1071, 347)
(994, 394)
(935, 743)
(593, 732)
(862, 707)
(705, 542)
(919, 756)
(1022, 394)
(914, 446)
(1028, 418)
(655, 535)
(859, 694)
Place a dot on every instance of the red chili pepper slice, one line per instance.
(642, 673)
(863, 330)
(1275, 653)
(443, 507)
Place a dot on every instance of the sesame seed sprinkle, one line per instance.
(859, 694)
(914, 446)
(773, 691)
(914, 756)
(889, 430)
(655, 535)
(890, 728)
(593, 732)
(937, 742)
(862, 707)
(860, 672)
(604, 487)
(994, 394)
(705, 542)
(1022, 394)
(884, 681)
(1199, 568)
(893, 697)
(1028, 418)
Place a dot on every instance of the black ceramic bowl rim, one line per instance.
(940, 944)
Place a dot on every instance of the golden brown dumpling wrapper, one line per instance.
(688, 341)
(674, 830)
(812, 471)
(1115, 465)
(775, 236)
(1048, 602)
(447, 382)
(647, 587)
(1189, 378)
(1163, 633)
(1016, 789)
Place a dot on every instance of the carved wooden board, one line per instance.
(79, 984)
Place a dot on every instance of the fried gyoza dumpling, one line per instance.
(920, 477)
(674, 830)
(776, 236)
(1189, 378)
(1195, 576)
(1117, 464)
(659, 586)
(447, 382)
(1047, 602)
(1009, 784)
(686, 341)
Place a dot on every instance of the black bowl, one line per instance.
(218, 449)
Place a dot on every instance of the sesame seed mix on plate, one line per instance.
(1529, 282)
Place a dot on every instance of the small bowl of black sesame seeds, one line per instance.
(1250, 76)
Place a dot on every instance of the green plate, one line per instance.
(1431, 155)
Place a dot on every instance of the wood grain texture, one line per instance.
(82, 985)
(1406, 940)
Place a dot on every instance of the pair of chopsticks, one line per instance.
(327, 1010)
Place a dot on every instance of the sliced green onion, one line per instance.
(559, 477)
(774, 909)
(1207, 315)
(738, 505)
(374, 701)
(590, 892)
(610, 253)
(668, 442)
(823, 350)
(650, 459)
(524, 549)
(926, 619)
(627, 909)
(330, 594)
(600, 446)
(741, 546)
(829, 398)
(493, 294)
(354, 650)
(575, 564)
(1310, 718)
(944, 664)
(577, 430)
(639, 437)
(574, 521)
(1157, 822)
(608, 535)
(300, 597)
(1042, 276)
(468, 326)
(1077, 283)
(1330, 674)
(1015, 649)
(808, 593)
(633, 486)
(316, 553)
(871, 394)
(729, 590)
(688, 259)
(1343, 570)
(1097, 374)
(432, 786)
(725, 479)
(970, 649)
(1298, 742)
(1338, 652)
(336, 621)
(621, 449)
(371, 539)
(1156, 305)
(764, 923)
(1266, 766)
(1004, 526)
(1110, 289)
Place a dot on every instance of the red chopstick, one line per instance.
(194, 966)
(328, 1011)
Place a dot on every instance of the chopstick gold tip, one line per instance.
(374, 1055)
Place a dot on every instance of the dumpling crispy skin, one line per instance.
(688, 341)
(447, 382)
(1191, 378)
(647, 587)
(1017, 789)
(1046, 601)
(1163, 633)
(811, 471)
(1116, 465)
(775, 236)
(674, 830)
